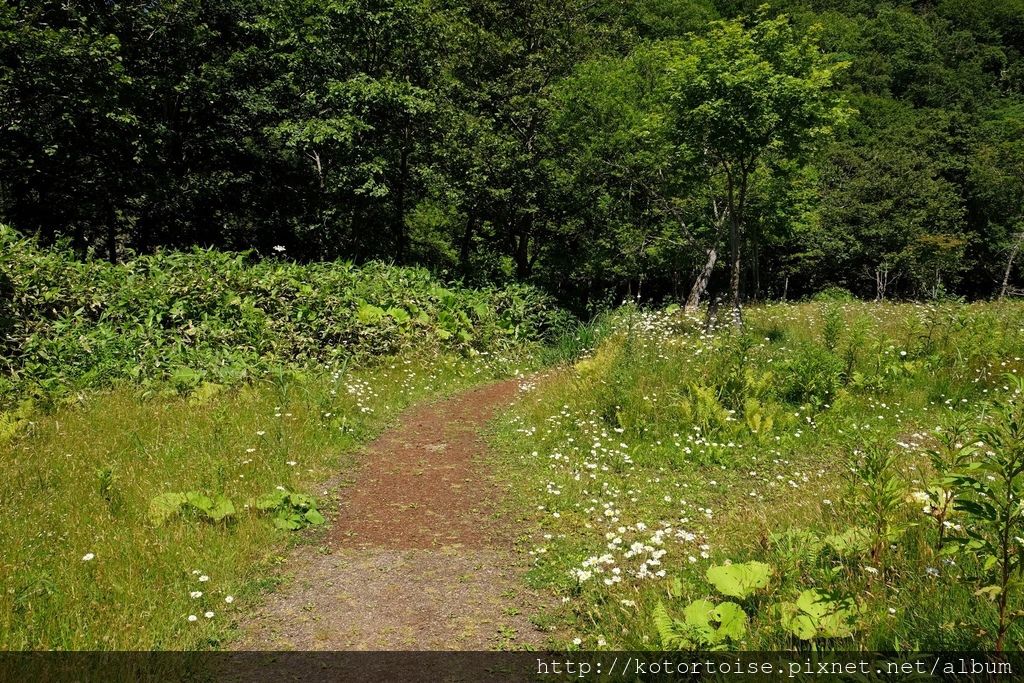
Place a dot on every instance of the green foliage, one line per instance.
(852, 542)
(837, 294)
(816, 614)
(812, 376)
(705, 626)
(739, 580)
(569, 144)
(665, 420)
(215, 508)
(81, 480)
(832, 327)
(290, 511)
(204, 319)
(954, 450)
(879, 494)
(990, 493)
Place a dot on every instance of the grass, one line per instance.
(79, 483)
(636, 466)
(668, 450)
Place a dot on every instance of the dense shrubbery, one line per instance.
(210, 316)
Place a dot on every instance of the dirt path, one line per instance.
(416, 559)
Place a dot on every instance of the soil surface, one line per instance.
(416, 559)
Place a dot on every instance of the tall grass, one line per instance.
(668, 450)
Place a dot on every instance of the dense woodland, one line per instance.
(596, 148)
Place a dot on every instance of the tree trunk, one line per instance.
(756, 263)
(522, 255)
(737, 197)
(882, 280)
(701, 284)
(734, 276)
(1009, 265)
(466, 246)
(401, 234)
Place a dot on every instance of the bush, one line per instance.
(812, 376)
(839, 294)
(210, 316)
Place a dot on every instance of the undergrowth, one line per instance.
(174, 321)
(862, 462)
(166, 423)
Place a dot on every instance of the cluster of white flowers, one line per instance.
(198, 594)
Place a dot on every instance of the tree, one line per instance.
(995, 192)
(639, 214)
(883, 199)
(746, 99)
(355, 97)
(66, 133)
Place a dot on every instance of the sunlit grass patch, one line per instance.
(670, 450)
(84, 567)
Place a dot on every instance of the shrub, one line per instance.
(210, 316)
(837, 294)
(812, 376)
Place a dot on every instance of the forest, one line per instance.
(660, 149)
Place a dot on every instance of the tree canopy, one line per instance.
(599, 149)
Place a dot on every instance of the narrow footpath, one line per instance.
(416, 559)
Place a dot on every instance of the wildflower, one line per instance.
(193, 617)
(279, 248)
(208, 615)
(204, 578)
(88, 557)
(577, 641)
(230, 599)
(195, 594)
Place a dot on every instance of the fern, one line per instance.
(673, 634)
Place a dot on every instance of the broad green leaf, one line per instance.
(802, 627)
(838, 624)
(271, 501)
(399, 315)
(165, 506)
(287, 521)
(368, 314)
(739, 580)
(314, 517)
(222, 508)
(200, 501)
(699, 613)
(814, 603)
(732, 620)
